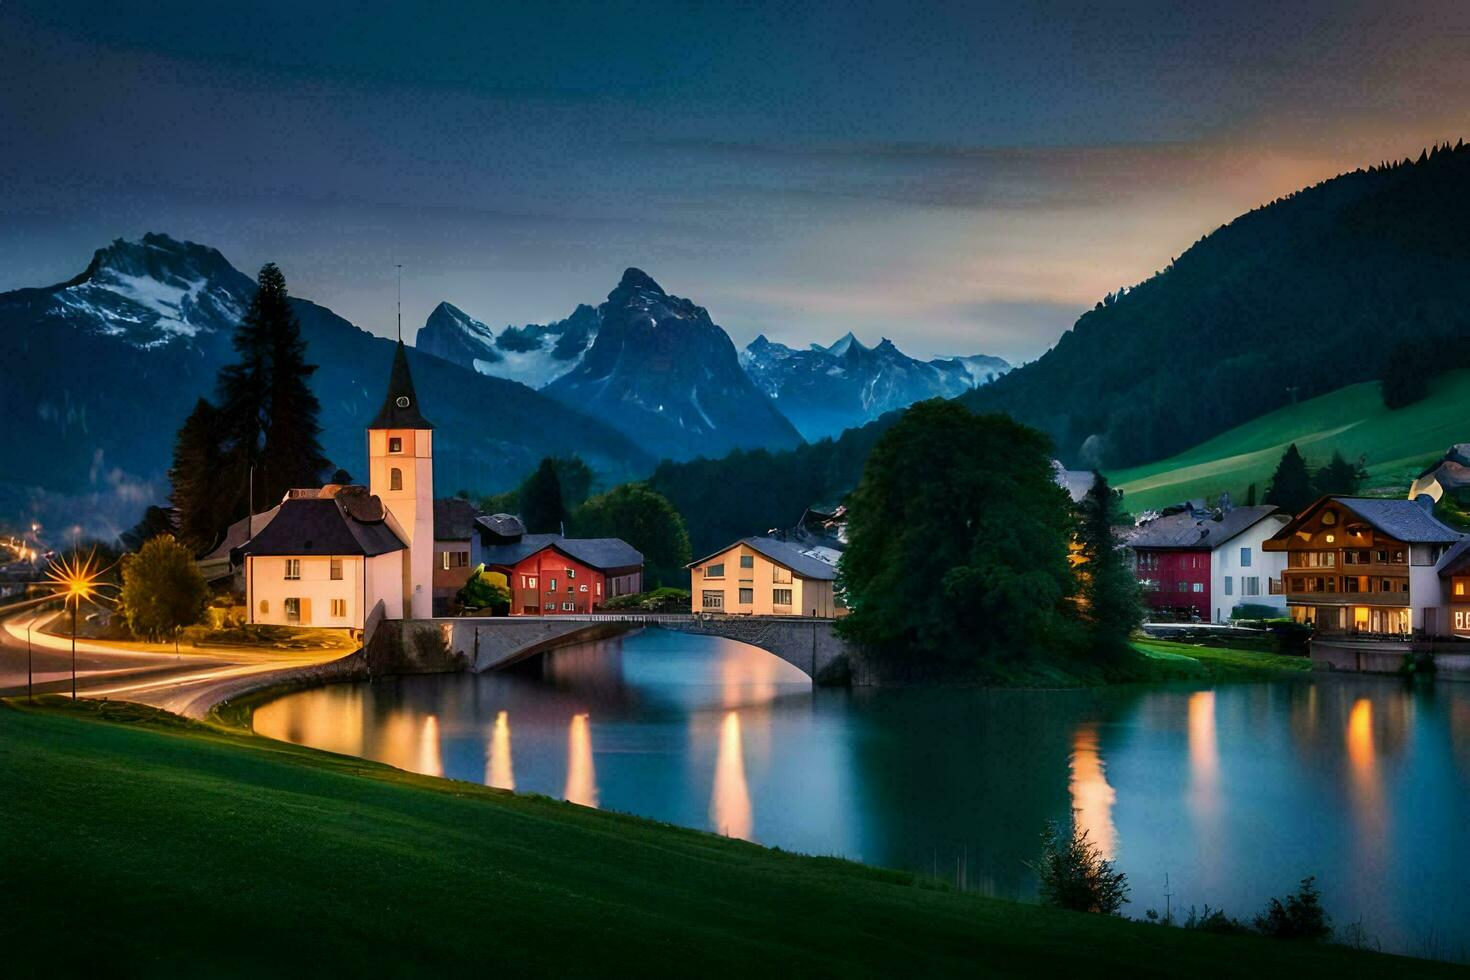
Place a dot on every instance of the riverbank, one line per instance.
(141, 841)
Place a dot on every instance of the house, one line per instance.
(762, 577)
(456, 548)
(1371, 565)
(328, 556)
(549, 574)
(1197, 564)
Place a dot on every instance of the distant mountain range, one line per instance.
(656, 367)
(824, 390)
(1292, 300)
(102, 369)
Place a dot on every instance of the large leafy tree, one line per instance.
(957, 543)
(1111, 604)
(542, 508)
(1291, 485)
(646, 520)
(162, 590)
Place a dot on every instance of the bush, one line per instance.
(162, 590)
(1254, 610)
(1292, 638)
(479, 592)
(1074, 874)
(659, 601)
(1300, 917)
(1216, 921)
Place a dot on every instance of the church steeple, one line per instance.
(401, 407)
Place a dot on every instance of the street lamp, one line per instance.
(74, 580)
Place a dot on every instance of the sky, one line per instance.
(961, 178)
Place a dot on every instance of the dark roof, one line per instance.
(1190, 530)
(454, 519)
(1455, 560)
(506, 526)
(241, 531)
(1408, 521)
(603, 554)
(783, 554)
(322, 526)
(401, 406)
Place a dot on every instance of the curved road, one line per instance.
(150, 673)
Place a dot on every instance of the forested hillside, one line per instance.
(1302, 296)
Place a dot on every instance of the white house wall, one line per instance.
(1265, 565)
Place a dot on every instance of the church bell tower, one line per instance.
(401, 474)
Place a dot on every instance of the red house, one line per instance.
(1197, 565)
(551, 575)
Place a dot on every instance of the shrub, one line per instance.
(162, 590)
(479, 592)
(1254, 610)
(1074, 874)
(1215, 920)
(1299, 917)
(659, 600)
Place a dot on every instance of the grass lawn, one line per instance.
(138, 843)
(1220, 663)
(1397, 445)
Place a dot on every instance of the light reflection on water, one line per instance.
(1234, 793)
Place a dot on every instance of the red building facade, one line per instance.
(551, 581)
(1175, 582)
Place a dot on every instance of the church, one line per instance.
(327, 557)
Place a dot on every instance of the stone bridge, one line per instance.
(480, 644)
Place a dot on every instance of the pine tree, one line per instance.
(1250, 496)
(244, 391)
(1111, 600)
(1339, 477)
(1291, 484)
(291, 455)
(202, 499)
(542, 508)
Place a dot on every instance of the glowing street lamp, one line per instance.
(74, 580)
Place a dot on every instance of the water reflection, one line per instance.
(1092, 797)
(581, 776)
(498, 771)
(1234, 794)
(729, 803)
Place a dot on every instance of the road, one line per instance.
(150, 673)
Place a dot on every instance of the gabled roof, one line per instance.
(505, 526)
(1189, 530)
(454, 519)
(784, 554)
(1409, 521)
(324, 526)
(241, 531)
(401, 405)
(1456, 560)
(603, 554)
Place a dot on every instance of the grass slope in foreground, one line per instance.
(1351, 420)
(136, 842)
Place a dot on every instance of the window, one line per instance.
(1183, 586)
(713, 599)
(395, 444)
(395, 479)
(571, 573)
(1459, 586)
(599, 587)
(1198, 587)
(584, 586)
(339, 608)
(747, 596)
(781, 576)
(1228, 590)
(530, 581)
(747, 561)
(454, 559)
(567, 607)
(293, 610)
(1250, 586)
(1245, 558)
(781, 597)
(551, 585)
(336, 571)
(715, 571)
(293, 569)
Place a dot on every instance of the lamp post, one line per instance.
(74, 580)
(30, 674)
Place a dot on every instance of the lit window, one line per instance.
(531, 582)
(395, 479)
(1199, 587)
(551, 585)
(293, 610)
(1459, 586)
(584, 587)
(395, 444)
(571, 573)
(339, 608)
(293, 569)
(336, 570)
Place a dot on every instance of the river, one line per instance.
(1224, 795)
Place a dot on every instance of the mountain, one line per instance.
(1295, 299)
(102, 369)
(535, 354)
(661, 371)
(824, 390)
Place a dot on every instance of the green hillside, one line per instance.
(1351, 420)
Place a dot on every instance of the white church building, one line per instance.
(328, 556)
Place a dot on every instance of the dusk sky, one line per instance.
(963, 180)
